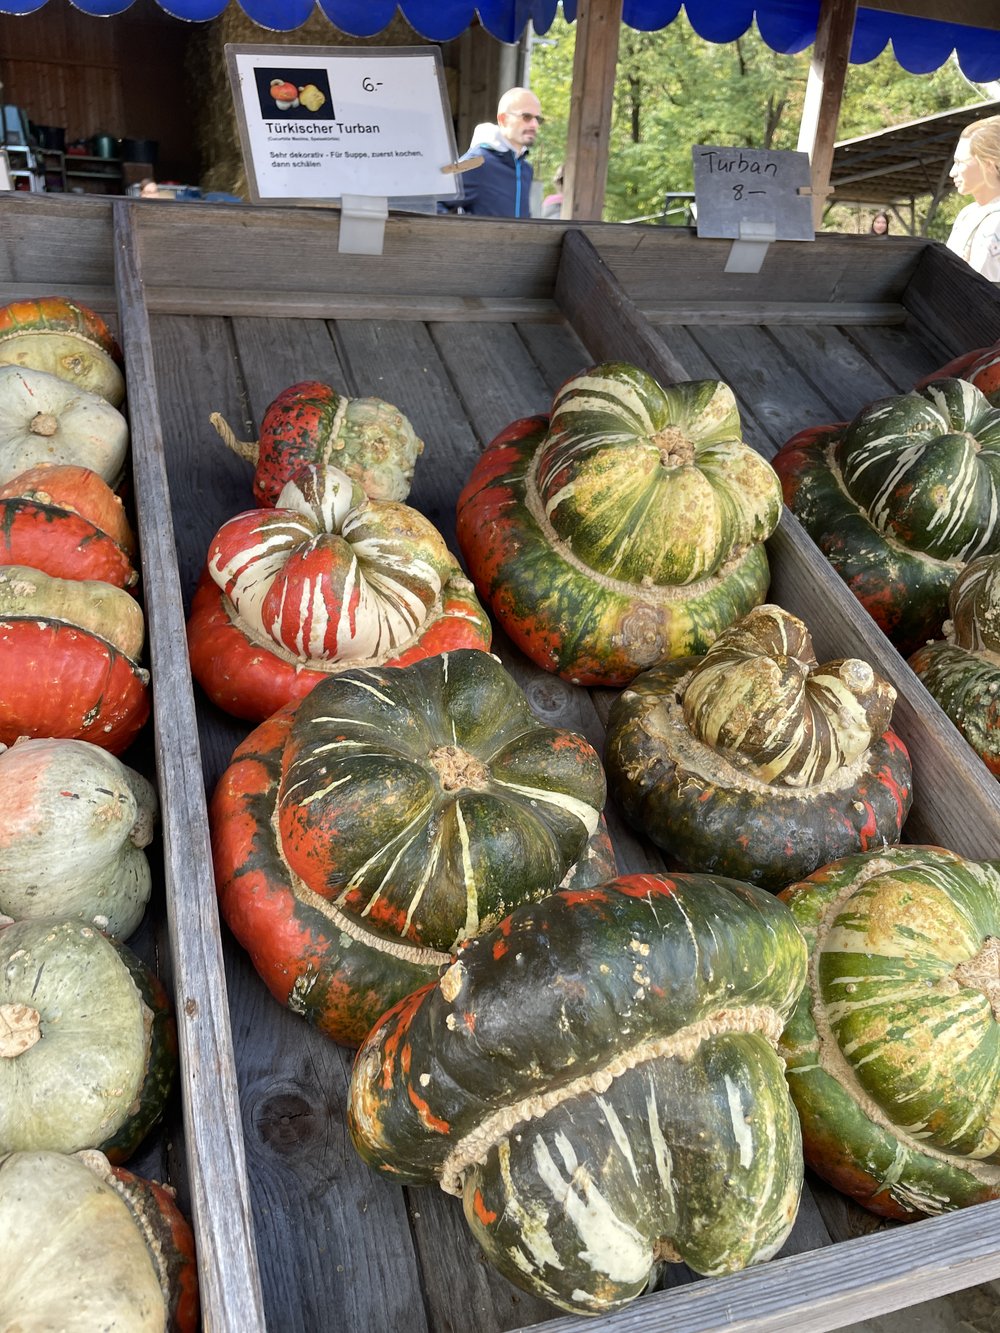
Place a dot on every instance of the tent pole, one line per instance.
(824, 93)
(595, 58)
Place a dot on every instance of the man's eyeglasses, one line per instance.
(529, 115)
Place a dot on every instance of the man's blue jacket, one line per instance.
(500, 188)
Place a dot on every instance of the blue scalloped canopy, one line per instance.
(918, 44)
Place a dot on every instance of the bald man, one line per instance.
(501, 187)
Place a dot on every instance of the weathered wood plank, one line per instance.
(824, 93)
(589, 295)
(288, 1074)
(276, 353)
(767, 379)
(595, 57)
(346, 305)
(772, 312)
(826, 1289)
(835, 366)
(660, 265)
(903, 355)
(227, 1261)
(57, 244)
(557, 351)
(494, 374)
(954, 301)
(401, 364)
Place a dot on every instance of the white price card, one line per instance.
(752, 186)
(320, 122)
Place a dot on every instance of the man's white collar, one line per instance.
(487, 135)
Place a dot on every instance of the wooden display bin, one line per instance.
(466, 324)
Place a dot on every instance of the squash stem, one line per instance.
(248, 449)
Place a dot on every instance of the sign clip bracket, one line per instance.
(747, 253)
(362, 224)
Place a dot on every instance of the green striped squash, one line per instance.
(597, 1079)
(625, 529)
(962, 671)
(900, 499)
(892, 1053)
(362, 835)
(756, 761)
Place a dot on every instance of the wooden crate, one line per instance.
(465, 324)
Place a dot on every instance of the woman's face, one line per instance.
(971, 177)
(880, 223)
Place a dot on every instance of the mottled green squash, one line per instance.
(89, 1248)
(754, 760)
(360, 836)
(88, 1047)
(597, 1078)
(893, 1053)
(900, 499)
(962, 670)
(625, 529)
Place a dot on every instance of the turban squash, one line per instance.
(66, 521)
(756, 761)
(73, 824)
(66, 339)
(892, 1051)
(625, 529)
(597, 1078)
(68, 668)
(962, 670)
(360, 835)
(325, 581)
(311, 423)
(89, 1246)
(45, 420)
(900, 499)
(87, 1040)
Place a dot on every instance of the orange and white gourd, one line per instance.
(69, 652)
(327, 580)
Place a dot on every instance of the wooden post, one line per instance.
(598, 23)
(824, 92)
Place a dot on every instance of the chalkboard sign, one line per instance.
(752, 186)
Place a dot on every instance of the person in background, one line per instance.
(148, 189)
(880, 224)
(975, 234)
(552, 203)
(501, 187)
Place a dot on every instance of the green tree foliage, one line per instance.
(673, 90)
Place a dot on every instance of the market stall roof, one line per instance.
(921, 40)
(904, 162)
